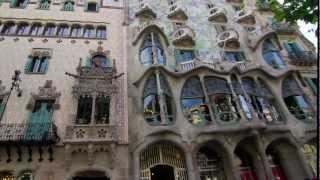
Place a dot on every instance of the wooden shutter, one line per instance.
(28, 65)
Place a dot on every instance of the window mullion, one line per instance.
(154, 50)
(207, 100)
(93, 111)
(163, 109)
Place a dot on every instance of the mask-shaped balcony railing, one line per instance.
(245, 17)
(217, 14)
(303, 58)
(29, 133)
(189, 65)
(284, 27)
(177, 11)
(91, 133)
(145, 11)
(183, 36)
(229, 38)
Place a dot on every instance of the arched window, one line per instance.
(193, 102)
(75, 30)
(151, 51)
(294, 98)
(36, 29)
(272, 55)
(44, 4)
(23, 29)
(220, 95)
(63, 30)
(68, 5)
(18, 3)
(49, 30)
(88, 32)
(101, 32)
(8, 28)
(157, 101)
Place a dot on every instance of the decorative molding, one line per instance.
(41, 52)
(46, 92)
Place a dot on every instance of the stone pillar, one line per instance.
(236, 99)
(264, 159)
(162, 103)
(235, 173)
(135, 166)
(190, 165)
(207, 101)
(94, 96)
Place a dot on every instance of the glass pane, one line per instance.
(146, 56)
(186, 55)
(160, 56)
(301, 102)
(245, 107)
(84, 110)
(151, 105)
(274, 59)
(191, 103)
(102, 110)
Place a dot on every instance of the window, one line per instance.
(8, 28)
(184, 55)
(92, 7)
(101, 61)
(88, 32)
(225, 108)
(262, 99)
(49, 30)
(18, 3)
(294, 50)
(85, 110)
(6, 176)
(76, 31)
(36, 29)
(151, 44)
(234, 57)
(26, 176)
(158, 107)
(37, 64)
(272, 55)
(68, 6)
(63, 30)
(44, 4)
(23, 29)
(101, 32)
(295, 100)
(193, 102)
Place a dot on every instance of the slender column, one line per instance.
(235, 97)
(234, 170)
(163, 109)
(253, 112)
(190, 165)
(94, 96)
(264, 158)
(207, 101)
(136, 166)
(154, 51)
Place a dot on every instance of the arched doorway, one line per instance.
(212, 162)
(275, 164)
(91, 175)
(162, 161)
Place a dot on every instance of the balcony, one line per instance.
(245, 17)
(217, 14)
(183, 36)
(285, 28)
(189, 65)
(176, 11)
(303, 58)
(28, 133)
(145, 11)
(229, 38)
(91, 133)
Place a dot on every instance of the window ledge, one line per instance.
(36, 73)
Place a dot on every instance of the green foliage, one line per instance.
(294, 10)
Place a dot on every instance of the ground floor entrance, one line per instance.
(162, 172)
(91, 175)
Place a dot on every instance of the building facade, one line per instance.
(219, 90)
(70, 120)
(154, 90)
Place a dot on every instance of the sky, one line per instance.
(308, 30)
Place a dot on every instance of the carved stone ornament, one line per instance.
(95, 80)
(41, 52)
(46, 92)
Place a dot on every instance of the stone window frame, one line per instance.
(46, 92)
(38, 52)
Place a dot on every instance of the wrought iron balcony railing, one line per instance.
(303, 58)
(28, 133)
(91, 132)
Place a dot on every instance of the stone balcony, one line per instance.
(177, 11)
(229, 38)
(303, 58)
(183, 36)
(28, 133)
(91, 133)
(145, 11)
(217, 14)
(245, 17)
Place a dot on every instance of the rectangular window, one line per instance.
(37, 65)
(184, 55)
(234, 56)
(76, 31)
(101, 33)
(22, 29)
(35, 30)
(49, 30)
(63, 31)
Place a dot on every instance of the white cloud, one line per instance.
(308, 30)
